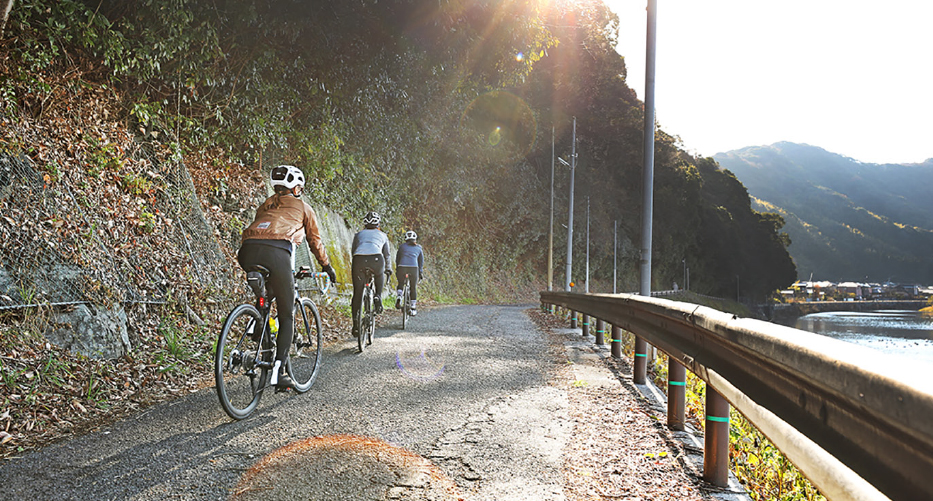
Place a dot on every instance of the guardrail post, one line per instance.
(616, 347)
(641, 361)
(676, 394)
(573, 319)
(716, 440)
(600, 331)
(586, 325)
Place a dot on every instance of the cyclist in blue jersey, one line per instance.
(370, 250)
(409, 261)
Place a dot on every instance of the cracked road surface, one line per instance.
(457, 406)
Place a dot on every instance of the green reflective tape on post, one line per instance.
(677, 383)
(641, 354)
(616, 340)
(717, 419)
(585, 323)
(600, 332)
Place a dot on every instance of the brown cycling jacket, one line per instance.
(285, 222)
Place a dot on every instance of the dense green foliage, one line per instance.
(848, 220)
(438, 114)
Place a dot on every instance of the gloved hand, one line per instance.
(388, 274)
(421, 276)
(330, 273)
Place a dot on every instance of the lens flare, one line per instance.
(495, 136)
(419, 365)
(504, 121)
(520, 57)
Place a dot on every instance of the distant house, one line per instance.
(850, 288)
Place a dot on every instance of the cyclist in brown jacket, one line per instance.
(281, 223)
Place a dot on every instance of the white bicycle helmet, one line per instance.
(288, 176)
(411, 235)
(372, 219)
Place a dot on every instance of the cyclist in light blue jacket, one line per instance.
(409, 262)
(370, 251)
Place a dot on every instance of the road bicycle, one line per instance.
(406, 302)
(245, 349)
(368, 313)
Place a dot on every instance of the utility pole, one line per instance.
(587, 290)
(615, 246)
(550, 234)
(639, 374)
(573, 165)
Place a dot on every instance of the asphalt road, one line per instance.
(465, 388)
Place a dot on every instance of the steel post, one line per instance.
(600, 331)
(616, 347)
(640, 373)
(716, 443)
(550, 233)
(586, 325)
(573, 164)
(573, 319)
(676, 394)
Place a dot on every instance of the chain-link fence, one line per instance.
(122, 227)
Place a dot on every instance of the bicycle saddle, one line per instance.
(256, 278)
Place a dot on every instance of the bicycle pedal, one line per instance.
(281, 389)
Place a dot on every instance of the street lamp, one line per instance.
(550, 247)
(587, 283)
(569, 226)
(573, 164)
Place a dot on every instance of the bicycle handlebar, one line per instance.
(322, 278)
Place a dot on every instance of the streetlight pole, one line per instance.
(587, 290)
(573, 164)
(615, 245)
(639, 373)
(550, 235)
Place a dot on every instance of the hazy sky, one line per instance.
(854, 77)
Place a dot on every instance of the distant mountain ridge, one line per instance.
(847, 220)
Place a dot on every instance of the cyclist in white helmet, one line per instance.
(409, 260)
(281, 223)
(370, 250)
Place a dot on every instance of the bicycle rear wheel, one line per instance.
(372, 319)
(365, 318)
(304, 358)
(406, 293)
(239, 381)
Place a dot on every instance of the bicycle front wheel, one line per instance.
(304, 358)
(239, 381)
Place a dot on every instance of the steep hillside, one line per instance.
(437, 115)
(847, 220)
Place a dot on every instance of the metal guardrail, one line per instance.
(841, 412)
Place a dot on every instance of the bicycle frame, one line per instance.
(264, 305)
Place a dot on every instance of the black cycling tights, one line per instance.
(412, 272)
(281, 284)
(375, 262)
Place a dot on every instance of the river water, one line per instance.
(907, 334)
